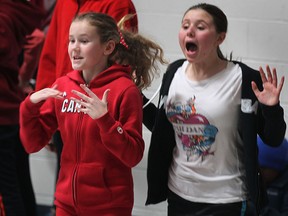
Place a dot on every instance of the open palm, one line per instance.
(271, 90)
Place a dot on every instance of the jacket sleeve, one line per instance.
(46, 73)
(271, 124)
(37, 124)
(32, 50)
(127, 143)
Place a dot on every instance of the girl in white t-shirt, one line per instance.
(203, 151)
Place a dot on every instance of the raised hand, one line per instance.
(271, 90)
(45, 94)
(90, 103)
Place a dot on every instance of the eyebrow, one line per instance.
(81, 35)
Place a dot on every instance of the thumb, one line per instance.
(55, 86)
(255, 88)
(105, 95)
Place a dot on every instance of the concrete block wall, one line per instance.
(257, 35)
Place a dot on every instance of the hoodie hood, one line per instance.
(103, 78)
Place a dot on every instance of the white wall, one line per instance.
(257, 35)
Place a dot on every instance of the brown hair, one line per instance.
(142, 54)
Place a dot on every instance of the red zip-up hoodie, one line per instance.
(54, 60)
(97, 154)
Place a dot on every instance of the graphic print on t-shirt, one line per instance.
(192, 128)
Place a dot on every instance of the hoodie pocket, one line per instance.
(91, 188)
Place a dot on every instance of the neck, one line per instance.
(89, 75)
(203, 70)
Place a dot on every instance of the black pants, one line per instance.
(178, 206)
(57, 141)
(15, 181)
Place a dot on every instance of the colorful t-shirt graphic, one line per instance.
(192, 128)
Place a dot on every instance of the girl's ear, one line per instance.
(221, 37)
(109, 47)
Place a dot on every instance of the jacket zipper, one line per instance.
(78, 148)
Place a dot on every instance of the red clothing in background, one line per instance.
(16, 21)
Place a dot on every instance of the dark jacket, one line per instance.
(268, 123)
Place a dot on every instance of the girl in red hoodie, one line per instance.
(98, 110)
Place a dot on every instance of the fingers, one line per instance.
(275, 79)
(281, 84)
(46, 93)
(90, 94)
(271, 89)
(271, 77)
(87, 90)
(90, 104)
(268, 77)
(81, 95)
(262, 74)
(91, 99)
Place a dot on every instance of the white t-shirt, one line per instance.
(207, 161)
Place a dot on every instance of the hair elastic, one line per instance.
(122, 41)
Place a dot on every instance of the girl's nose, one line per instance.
(76, 47)
(190, 32)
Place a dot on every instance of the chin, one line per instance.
(76, 67)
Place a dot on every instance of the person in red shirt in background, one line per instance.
(30, 55)
(18, 19)
(54, 59)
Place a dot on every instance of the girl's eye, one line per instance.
(201, 27)
(185, 26)
(71, 40)
(84, 41)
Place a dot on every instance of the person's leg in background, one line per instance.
(26, 187)
(9, 184)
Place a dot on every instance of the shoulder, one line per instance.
(247, 69)
(249, 74)
(173, 67)
(169, 75)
